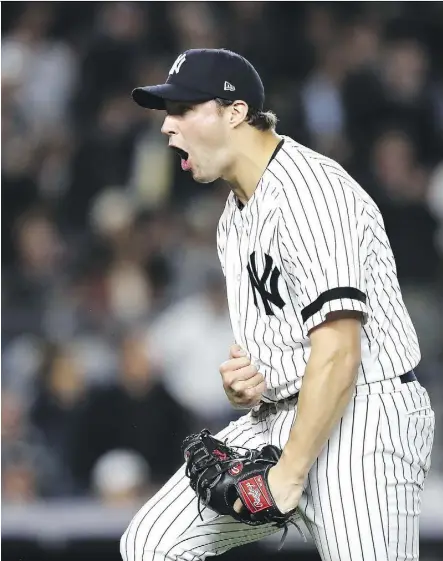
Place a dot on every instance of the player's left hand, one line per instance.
(285, 493)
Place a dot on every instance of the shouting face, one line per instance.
(199, 133)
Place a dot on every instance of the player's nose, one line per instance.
(168, 126)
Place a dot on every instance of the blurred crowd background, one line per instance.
(114, 316)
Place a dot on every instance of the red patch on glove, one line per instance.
(254, 494)
(220, 455)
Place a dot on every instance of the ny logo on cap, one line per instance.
(177, 64)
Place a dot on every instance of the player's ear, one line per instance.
(238, 113)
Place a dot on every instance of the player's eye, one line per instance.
(179, 109)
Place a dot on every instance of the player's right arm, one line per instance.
(242, 383)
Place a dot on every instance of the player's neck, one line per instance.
(253, 152)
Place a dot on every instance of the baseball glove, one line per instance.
(219, 474)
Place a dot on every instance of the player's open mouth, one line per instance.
(186, 166)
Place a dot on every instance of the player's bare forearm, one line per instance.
(327, 389)
(328, 386)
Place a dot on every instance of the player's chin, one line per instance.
(200, 177)
(202, 180)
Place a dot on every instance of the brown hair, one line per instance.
(261, 120)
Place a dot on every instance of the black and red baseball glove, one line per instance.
(220, 474)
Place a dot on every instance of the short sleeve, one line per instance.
(323, 249)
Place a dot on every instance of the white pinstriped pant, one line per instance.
(361, 501)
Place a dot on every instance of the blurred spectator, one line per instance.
(103, 158)
(400, 190)
(54, 170)
(59, 405)
(152, 172)
(21, 360)
(42, 71)
(321, 26)
(95, 356)
(196, 257)
(192, 338)
(128, 291)
(193, 26)
(246, 20)
(137, 413)
(120, 477)
(18, 482)
(29, 468)
(363, 44)
(155, 244)
(38, 245)
(435, 202)
(395, 95)
(323, 106)
(128, 288)
(112, 217)
(401, 177)
(19, 184)
(29, 283)
(121, 31)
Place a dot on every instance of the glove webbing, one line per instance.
(211, 461)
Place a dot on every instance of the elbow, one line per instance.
(342, 365)
(346, 356)
(349, 364)
(346, 364)
(350, 356)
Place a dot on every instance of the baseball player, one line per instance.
(324, 347)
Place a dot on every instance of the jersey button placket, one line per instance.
(243, 240)
(239, 222)
(243, 251)
(239, 261)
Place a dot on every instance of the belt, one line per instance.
(264, 405)
(408, 377)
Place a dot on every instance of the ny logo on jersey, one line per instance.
(259, 284)
(175, 68)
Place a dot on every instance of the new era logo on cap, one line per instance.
(229, 87)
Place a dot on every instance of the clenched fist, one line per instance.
(242, 383)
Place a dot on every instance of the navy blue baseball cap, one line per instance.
(203, 74)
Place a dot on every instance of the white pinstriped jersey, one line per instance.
(311, 241)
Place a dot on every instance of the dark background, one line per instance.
(114, 318)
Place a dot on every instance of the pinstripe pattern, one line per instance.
(361, 498)
(324, 233)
